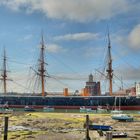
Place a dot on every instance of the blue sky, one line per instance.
(75, 33)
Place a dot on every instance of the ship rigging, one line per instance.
(42, 69)
(4, 78)
(109, 70)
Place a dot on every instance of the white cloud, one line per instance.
(54, 48)
(128, 73)
(70, 80)
(77, 36)
(14, 4)
(127, 40)
(25, 83)
(77, 10)
(134, 37)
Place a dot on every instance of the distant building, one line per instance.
(93, 87)
(124, 92)
(132, 91)
(138, 89)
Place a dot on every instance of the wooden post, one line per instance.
(5, 128)
(87, 128)
(109, 136)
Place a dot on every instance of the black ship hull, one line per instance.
(71, 102)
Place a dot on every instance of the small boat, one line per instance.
(90, 110)
(119, 134)
(116, 111)
(5, 110)
(84, 109)
(48, 109)
(29, 108)
(100, 127)
(101, 110)
(122, 117)
(9, 110)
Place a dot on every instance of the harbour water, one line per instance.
(77, 111)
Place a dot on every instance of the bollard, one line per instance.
(5, 128)
(87, 128)
(109, 136)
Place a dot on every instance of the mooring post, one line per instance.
(5, 128)
(109, 136)
(87, 128)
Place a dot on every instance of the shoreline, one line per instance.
(66, 126)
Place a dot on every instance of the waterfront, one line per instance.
(66, 126)
(78, 111)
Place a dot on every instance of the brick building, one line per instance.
(93, 87)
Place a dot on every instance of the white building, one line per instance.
(137, 89)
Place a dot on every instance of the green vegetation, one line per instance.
(62, 125)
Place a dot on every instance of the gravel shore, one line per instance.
(64, 126)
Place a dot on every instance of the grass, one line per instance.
(49, 123)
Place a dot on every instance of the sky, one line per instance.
(75, 34)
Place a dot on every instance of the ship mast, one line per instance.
(4, 73)
(42, 67)
(109, 70)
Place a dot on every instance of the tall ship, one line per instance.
(67, 101)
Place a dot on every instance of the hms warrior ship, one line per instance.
(67, 101)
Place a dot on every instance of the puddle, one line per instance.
(20, 128)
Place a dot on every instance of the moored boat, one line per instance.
(114, 134)
(29, 108)
(6, 110)
(116, 111)
(100, 127)
(119, 134)
(48, 109)
(122, 117)
(82, 109)
(85, 109)
(100, 109)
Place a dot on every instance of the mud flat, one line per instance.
(64, 126)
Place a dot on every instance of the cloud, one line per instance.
(25, 83)
(128, 73)
(14, 5)
(54, 48)
(77, 36)
(129, 39)
(73, 81)
(134, 37)
(77, 10)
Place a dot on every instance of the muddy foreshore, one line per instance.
(63, 126)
